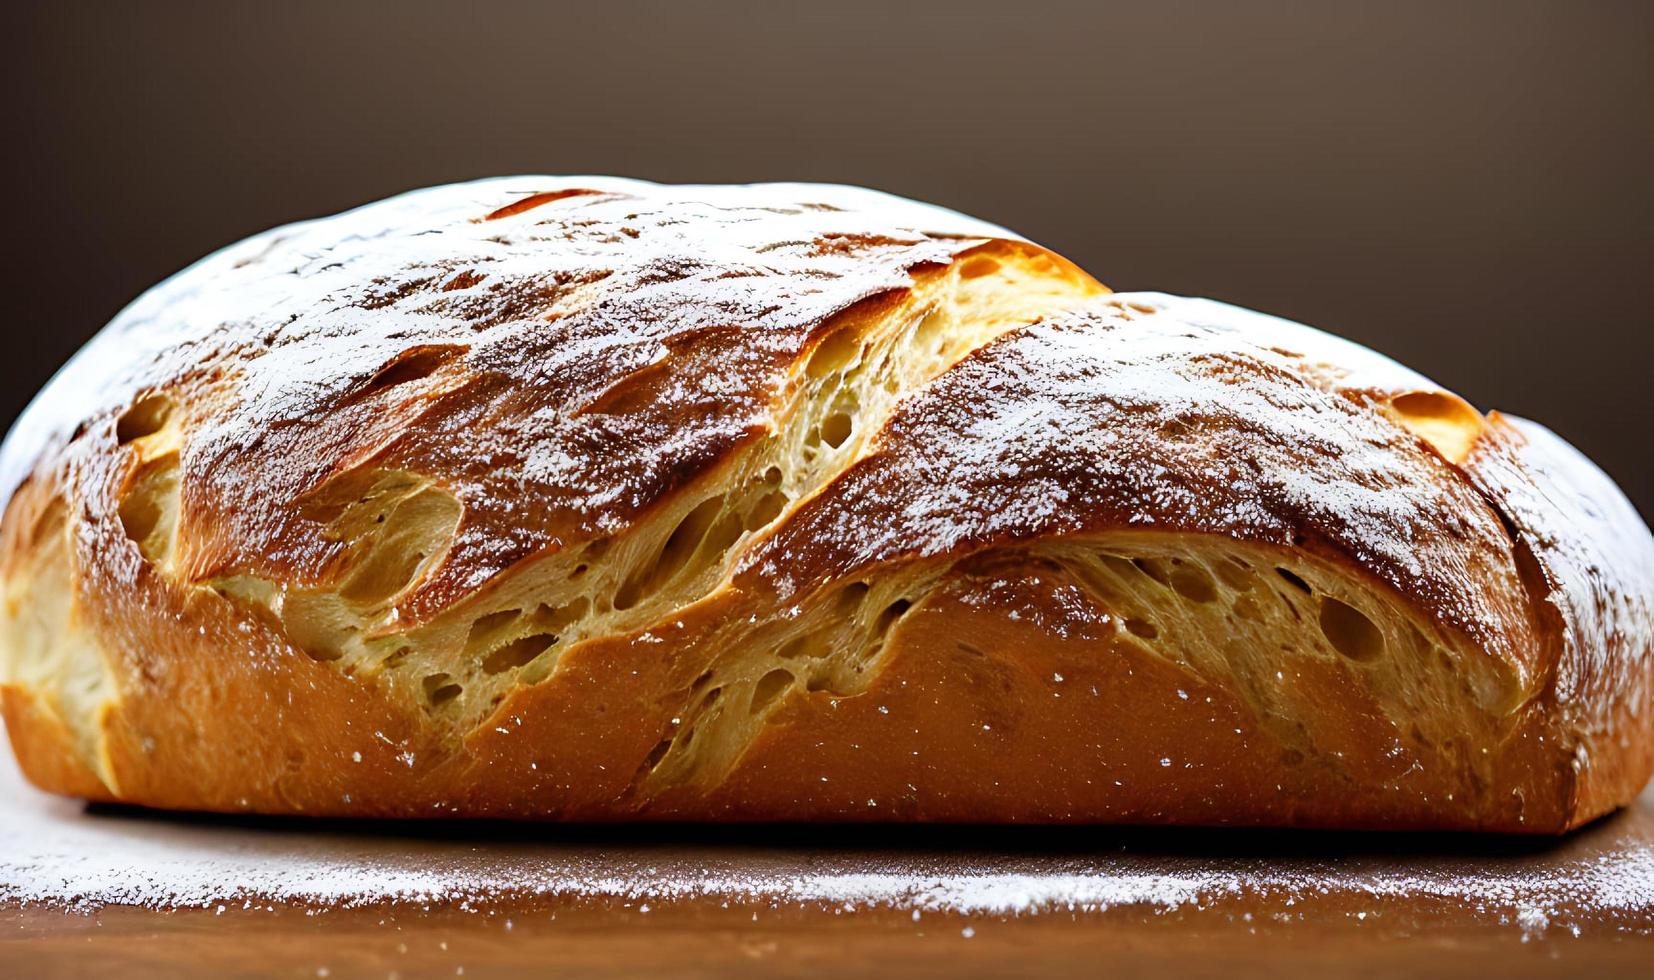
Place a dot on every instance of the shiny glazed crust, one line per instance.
(590, 499)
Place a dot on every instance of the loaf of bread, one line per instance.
(593, 499)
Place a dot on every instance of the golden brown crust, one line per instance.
(45, 747)
(591, 499)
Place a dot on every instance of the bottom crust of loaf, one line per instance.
(1015, 687)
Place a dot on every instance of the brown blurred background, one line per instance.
(1466, 186)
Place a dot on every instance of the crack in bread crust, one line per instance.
(463, 660)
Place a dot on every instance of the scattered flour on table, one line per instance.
(54, 853)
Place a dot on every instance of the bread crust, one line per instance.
(585, 499)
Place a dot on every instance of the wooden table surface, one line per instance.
(111, 892)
